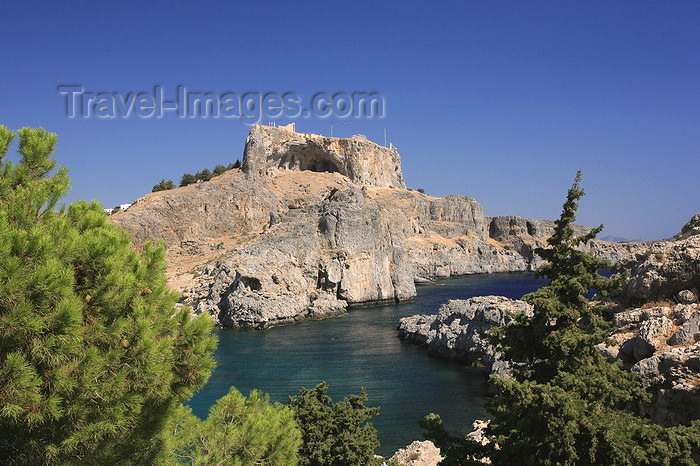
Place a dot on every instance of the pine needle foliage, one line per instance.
(94, 356)
(238, 432)
(566, 403)
(334, 434)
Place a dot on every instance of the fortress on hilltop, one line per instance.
(271, 149)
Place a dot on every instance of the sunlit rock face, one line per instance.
(270, 150)
(311, 225)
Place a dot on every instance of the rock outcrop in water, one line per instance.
(311, 225)
(456, 331)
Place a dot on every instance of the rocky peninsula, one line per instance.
(457, 330)
(312, 225)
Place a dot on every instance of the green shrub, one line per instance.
(187, 179)
(163, 186)
(204, 175)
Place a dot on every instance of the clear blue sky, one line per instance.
(502, 101)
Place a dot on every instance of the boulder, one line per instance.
(682, 312)
(650, 332)
(672, 378)
(628, 317)
(689, 332)
(686, 297)
(418, 453)
(626, 350)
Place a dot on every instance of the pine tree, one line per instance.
(334, 433)
(94, 356)
(238, 431)
(187, 179)
(566, 403)
(163, 186)
(204, 175)
(219, 169)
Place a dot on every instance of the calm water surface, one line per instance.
(359, 350)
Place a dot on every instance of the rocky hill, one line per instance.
(311, 225)
(270, 150)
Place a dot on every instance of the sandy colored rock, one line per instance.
(312, 225)
(666, 268)
(270, 150)
(418, 453)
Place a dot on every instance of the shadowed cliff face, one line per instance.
(312, 225)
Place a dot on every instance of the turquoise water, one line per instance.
(359, 350)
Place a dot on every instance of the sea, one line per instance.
(362, 349)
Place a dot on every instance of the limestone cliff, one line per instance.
(269, 150)
(311, 225)
(665, 268)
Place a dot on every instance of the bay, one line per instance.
(359, 350)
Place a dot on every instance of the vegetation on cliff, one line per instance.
(188, 178)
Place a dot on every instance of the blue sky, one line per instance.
(501, 101)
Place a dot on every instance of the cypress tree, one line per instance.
(566, 403)
(94, 356)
